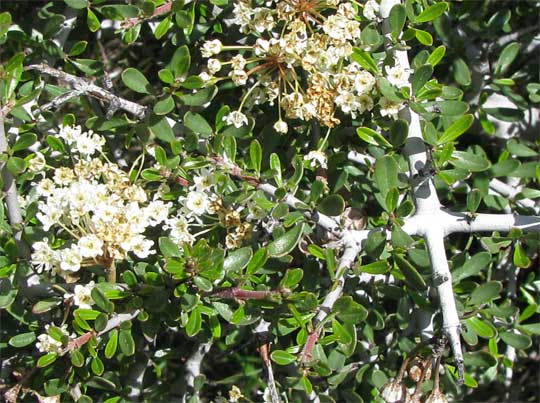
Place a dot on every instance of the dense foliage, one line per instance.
(221, 200)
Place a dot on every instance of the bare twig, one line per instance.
(262, 333)
(193, 367)
(86, 87)
(163, 9)
(352, 248)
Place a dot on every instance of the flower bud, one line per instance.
(394, 392)
(437, 397)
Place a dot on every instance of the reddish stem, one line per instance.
(238, 293)
(310, 344)
(163, 9)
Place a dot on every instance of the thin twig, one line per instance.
(86, 87)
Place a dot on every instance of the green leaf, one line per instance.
(112, 344)
(332, 205)
(282, 357)
(180, 62)
(45, 305)
(456, 129)
(126, 342)
(194, 323)
(481, 327)
(166, 76)
(397, 19)
(469, 161)
(198, 124)
(520, 258)
(516, 340)
(164, 106)
(285, 243)
(349, 311)
(203, 283)
(414, 279)
(507, 56)
(365, 60)
(101, 300)
(160, 128)
(77, 4)
(421, 77)
(46, 360)
(168, 248)
(238, 259)
(78, 48)
(391, 200)
(379, 267)
(92, 20)
(55, 143)
(257, 261)
(275, 165)
(16, 165)
(436, 56)
(77, 358)
(423, 37)
(519, 149)
(505, 168)
(163, 27)
(479, 359)
(136, 81)
(255, 155)
(292, 278)
(368, 135)
(22, 339)
(484, 293)
(453, 108)
(97, 366)
(24, 141)
(400, 239)
(471, 267)
(474, 198)
(200, 98)
(533, 328)
(386, 174)
(431, 13)
(341, 333)
(462, 74)
(399, 132)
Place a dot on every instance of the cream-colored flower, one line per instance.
(82, 295)
(236, 118)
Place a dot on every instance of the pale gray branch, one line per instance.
(84, 86)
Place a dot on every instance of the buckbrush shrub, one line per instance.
(294, 200)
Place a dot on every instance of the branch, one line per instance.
(510, 192)
(262, 333)
(427, 201)
(10, 195)
(360, 158)
(352, 245)
(193, 367)
(238, 293)
(117, 320)
(86, 87)
(163, 9)
(112, 323)
(326, 222)
(442, 280)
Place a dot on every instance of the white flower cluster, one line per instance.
(84, 143)
(103, 212)
(196, 203)
(48, 344)
(301, 58)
